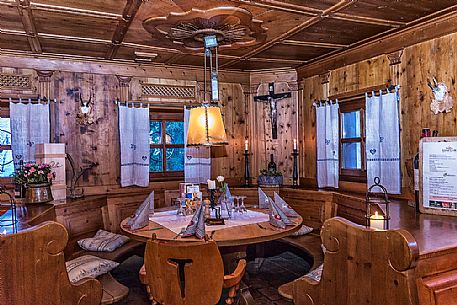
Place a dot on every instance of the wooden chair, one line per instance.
(362, 266)
(189, 273)
(32, 270)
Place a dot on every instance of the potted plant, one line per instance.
(37, 179)
(270, 178)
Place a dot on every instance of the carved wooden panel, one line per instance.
(166, 91)
(15, 81)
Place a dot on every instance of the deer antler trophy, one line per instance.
(76, 175)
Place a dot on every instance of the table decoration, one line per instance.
(277, 217)
(140, 218)
(263, 200)
(38, 179)
(196, 227)
(283, 206)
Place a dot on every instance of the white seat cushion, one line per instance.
(103, 241)
(303, 231)
(88, 266)
(315, 274)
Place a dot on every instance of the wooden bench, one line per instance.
(362, 266)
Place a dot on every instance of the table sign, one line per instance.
(438, 175)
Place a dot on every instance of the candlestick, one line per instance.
(295, 167)
(212, 198)
(246, 145)
(246, 168)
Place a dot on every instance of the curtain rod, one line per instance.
(351, 95)
(28, 99)
(152, 103)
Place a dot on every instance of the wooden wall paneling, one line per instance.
(312, 91)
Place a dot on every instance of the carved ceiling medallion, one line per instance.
(234, 27)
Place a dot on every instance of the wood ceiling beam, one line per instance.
(312, 12)
(23, 7)
(74, 11)
(130, 10)
(342, 4)
(442, 23)
(325, 45)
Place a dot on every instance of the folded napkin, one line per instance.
(141, 217)
(197, 224)
(277, 216)
(283, 206)
(227, 195)
(263, 200)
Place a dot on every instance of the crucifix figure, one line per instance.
(272, 98)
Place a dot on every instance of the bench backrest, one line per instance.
(32, 269)
(362, 266)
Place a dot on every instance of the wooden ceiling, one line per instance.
(297, 31)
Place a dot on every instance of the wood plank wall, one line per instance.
(433, 58)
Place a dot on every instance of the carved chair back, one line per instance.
(362, 266)
(32, 269)
(184, 273)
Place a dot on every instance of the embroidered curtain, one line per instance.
(197, 160)
(134, 143)
(327, 135)
(29, 126)
(383, 140)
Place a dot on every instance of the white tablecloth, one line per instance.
(174, 222)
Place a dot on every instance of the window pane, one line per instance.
(6, 163)
(352, 157)
(175, 159)
(5, 131)
(174, 132)
(155, 132)
(351, 124)
(155, 160)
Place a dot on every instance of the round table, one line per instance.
(232, 241)
(229, 237)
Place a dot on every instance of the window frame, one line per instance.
(166, 115)
(5, 113)
(350, 105)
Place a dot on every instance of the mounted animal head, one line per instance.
(439, 90)
(84, 105)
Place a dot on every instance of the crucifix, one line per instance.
(272, 98)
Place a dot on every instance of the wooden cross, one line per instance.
(273, 98)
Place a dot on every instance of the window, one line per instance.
(166, 141)
(6, 154)
(352, 140)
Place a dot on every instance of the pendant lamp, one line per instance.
(206, 126)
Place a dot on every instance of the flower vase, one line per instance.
(38, 193)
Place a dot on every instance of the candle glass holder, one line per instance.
(377, 206)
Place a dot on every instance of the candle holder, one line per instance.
(246, 169)
(295, 169)
(377, 207)
(212, 198)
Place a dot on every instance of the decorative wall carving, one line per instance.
(167, 91)
(15, 81)
(233, 27)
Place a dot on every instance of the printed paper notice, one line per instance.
(439, 170)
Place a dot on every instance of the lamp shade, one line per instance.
(206, 127)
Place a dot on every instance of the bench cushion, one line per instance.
(88, 266)
(103, 241)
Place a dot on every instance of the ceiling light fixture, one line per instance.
(206, 126)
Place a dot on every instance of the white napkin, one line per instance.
(263, 200)
(197, 224)
(141, 217)
(277, 216)
(283, 206)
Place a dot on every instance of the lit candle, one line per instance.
(377, 221)
(295, 144)
(211, 184)
(246, 145)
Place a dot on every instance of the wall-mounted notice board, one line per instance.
(438, 175)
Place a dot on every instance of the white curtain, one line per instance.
(134, 142)
(327, 134)
(197, 160)
(29, 126)
(383, 140)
